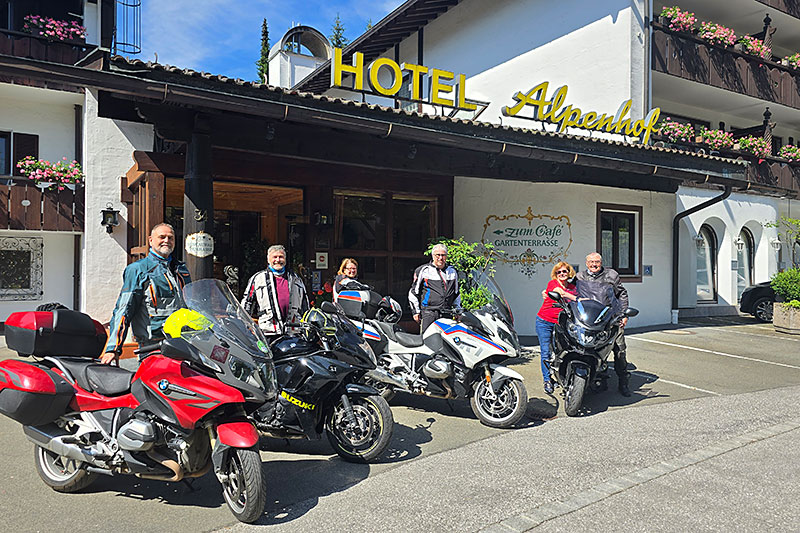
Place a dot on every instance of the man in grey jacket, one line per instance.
(275, 296)
(603, 284)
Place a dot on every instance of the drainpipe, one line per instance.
(676, 244)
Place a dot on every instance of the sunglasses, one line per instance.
(562, 271)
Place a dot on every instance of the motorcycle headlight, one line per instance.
(364, 345)
(574, 331)
(244, 371)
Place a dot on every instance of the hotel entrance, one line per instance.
(248, 219)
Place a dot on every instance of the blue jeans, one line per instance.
(544, 330)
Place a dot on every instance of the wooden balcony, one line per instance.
(23, 206)
(25, 45)
(790, 7)
(686, 56)
(770, 171)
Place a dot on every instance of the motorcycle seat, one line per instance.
(94, 377)
(393, 332)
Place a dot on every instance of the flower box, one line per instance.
(786, 319)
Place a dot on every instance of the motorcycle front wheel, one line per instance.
(61, 473)
(502, 409)
(366, 436)
(573, 399)
(244, 487)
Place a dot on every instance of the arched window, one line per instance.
(744, 261)
(706, 242)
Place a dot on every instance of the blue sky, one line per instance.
(224, 37)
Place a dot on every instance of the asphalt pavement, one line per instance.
(706, 442)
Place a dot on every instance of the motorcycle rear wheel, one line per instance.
(245, 487)
(503, 409)
(573, 399)
(367, 439)
(60, 473)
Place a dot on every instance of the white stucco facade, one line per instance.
(109, 146)
(477, 199)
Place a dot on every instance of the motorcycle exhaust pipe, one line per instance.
(378, 374)
(172, 465)
(53, 438)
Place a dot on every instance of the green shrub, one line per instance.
(466, 257)
(786, 284)
(794, 304)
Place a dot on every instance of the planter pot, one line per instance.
(786, 319)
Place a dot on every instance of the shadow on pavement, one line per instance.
(600, 401)
(200, 492)
(295, 487)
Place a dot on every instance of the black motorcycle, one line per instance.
(582, 339)
(318, 375)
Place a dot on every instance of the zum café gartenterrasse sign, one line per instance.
(528, 240)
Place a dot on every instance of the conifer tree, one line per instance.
(337, 38)
(263, 62)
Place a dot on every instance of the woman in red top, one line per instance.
(547, 317)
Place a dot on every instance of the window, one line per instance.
(706, 242)
(21, 275)
(744, 261)
(5, 153)
(24, 144)
(619, 230)
(387, 233)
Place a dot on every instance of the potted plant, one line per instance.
(46, 175)
(786, 312)
(755, 47)
(716, 139)
(757, 146)
(52, 29)
(717, 34)
(790, 152)
(676, 131)
(678, 20)
(792, 60)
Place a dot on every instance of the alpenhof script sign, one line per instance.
(528, 240)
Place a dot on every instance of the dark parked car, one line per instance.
(757, 300)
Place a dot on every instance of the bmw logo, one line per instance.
(457, 340)
(163, 385)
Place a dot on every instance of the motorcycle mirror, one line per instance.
(553, 295)
(328, 307)
(631, 311)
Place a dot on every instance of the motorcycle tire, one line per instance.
(369, 438)
(60, 473)
(502, 410)
(573, 398)
(245, 487)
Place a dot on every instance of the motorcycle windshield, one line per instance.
(591, 313)
(499, 302)
(214, 300)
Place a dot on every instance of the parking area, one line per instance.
(701, 358)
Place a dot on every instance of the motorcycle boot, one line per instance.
(623, 386)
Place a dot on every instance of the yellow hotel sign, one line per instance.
(444, 90)
(572, 117)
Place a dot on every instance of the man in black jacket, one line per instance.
(604, 285)
(435, 287)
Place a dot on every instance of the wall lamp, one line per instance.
(109, 218)
(699, 241)
(739, 244)
(776, 243)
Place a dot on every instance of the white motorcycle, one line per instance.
(458, 356)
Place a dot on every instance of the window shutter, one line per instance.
(24, 145)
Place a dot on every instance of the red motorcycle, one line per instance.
(180, 414)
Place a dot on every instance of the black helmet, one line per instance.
(389, 310)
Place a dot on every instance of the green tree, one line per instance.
(337, 38)
(263, 62)
(789, 231)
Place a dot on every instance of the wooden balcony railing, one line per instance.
(691, 58)
(24, 206)
(771, 171)
(19, 44)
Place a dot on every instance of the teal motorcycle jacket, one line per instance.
(151, 290)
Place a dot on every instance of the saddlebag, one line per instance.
(59, 332)
(31, 394)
